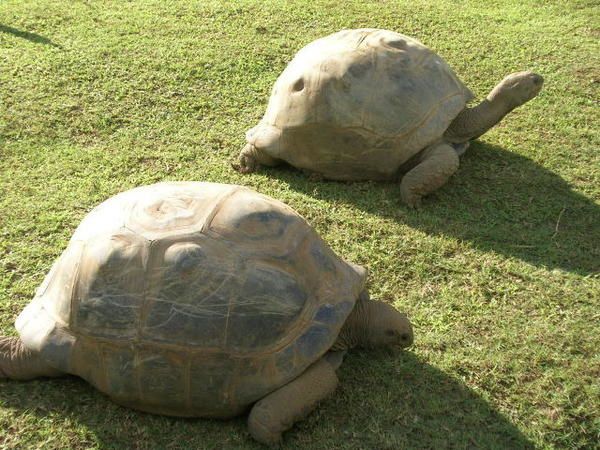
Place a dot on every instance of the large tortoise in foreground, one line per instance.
(370, 104)
(200, 299)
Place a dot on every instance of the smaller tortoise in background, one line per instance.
(369, 104)
(201, 300)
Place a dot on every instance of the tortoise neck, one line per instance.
(355, 332)
(473, 122)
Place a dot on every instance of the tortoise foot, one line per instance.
(247, 162)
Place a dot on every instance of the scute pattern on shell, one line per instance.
(191, 299)
(359, 103)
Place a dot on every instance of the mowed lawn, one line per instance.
(499, 270)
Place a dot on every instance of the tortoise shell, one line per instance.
(191, 299)
(358, 104)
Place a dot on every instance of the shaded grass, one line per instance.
(499, 270)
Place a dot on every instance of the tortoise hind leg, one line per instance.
(19, 363)
(279, 410)
(436, 166)
(252, 158)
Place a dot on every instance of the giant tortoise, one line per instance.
(370, 104)
(201, 300)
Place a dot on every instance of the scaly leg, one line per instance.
(279, 410)
(437, 165)
(251, 159)
(19, 363)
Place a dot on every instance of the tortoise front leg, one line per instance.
(279, 410)
(437, 165)
(17, 362)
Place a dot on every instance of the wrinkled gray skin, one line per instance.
(289, 133)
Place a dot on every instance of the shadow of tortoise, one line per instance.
(498, 201)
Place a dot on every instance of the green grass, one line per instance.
(498, 270)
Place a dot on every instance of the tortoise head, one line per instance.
(375, 324)
(517, 88)
(386, 326)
